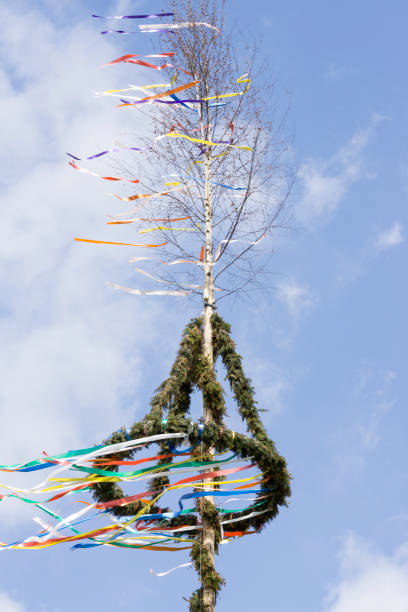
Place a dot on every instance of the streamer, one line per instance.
(135, 259)
(206, 142)
(105, 153)
(124, 221)
(128, 56)
(172, 229)
(176, 26)
(107, 178)
(138, 62)
(138, 531)
(128, 59)
(125, 32)
(139, 196)
(134, 16)
(119, 243)
(160, 574)
(159, 280)
(217, 254)
(163, 94)
(179, 261)
(240, 79)
(140, 292)
(187, 130)
(133, 88)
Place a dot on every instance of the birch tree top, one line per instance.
(211, 183)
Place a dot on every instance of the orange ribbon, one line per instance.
(119, 243)
(165, 93)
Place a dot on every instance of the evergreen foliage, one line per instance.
(169, 412)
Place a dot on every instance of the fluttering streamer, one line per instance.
(132, 291)
(119, 243)
(207, 142)
(161, 95)
(175, 26)
(126, 58)
(95, 155)
(227, 241)
(133, 16)
(134, 219)
(107, 178)
(147, 530)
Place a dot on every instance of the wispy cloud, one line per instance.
(7, 604)
(297, 298)
(353, 265)
(390, 237)
(372, 397)
(271, 384)
(369, 580)
(325, 183)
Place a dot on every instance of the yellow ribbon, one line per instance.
(206, 142)
(173, 229)
(240, 79)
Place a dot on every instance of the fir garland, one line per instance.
(169, 412)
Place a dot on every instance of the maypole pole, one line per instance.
(209, 593)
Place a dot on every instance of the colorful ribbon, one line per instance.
(240, 79)
(206, 142)
(107, 178)
(105, 153)
(140, 196)
(133, 16)
(138, 532)
(171, 229)
(163, 94)
(125, 32)
(127, 57)
(119, 243)
(137, 62)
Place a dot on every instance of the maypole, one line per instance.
(215, 180)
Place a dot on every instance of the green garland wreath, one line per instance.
(169, 409)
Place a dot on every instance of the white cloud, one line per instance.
(371, 400)
(325, 183)
(72, 351)
(373, 389)
(271, 385)
(370, 581)
(390, 237)
(297, 298)
(9, 605)
(353, 265)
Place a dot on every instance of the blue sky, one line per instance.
(324, 350)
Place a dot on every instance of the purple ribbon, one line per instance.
(133, 16)
(123, 31)
(104, 153)
(149, 31)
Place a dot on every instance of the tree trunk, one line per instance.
(208, 529)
